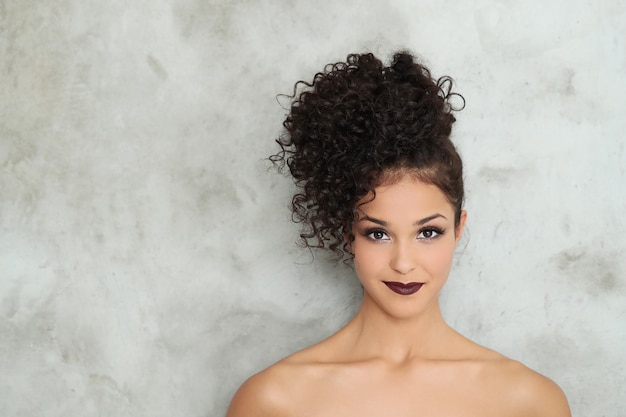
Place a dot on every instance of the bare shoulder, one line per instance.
(519, 388)
(271, 391)
(528, 392)
(262, 394)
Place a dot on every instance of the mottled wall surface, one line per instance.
(147, 258)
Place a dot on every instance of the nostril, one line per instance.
(402, 265)
(401, 259)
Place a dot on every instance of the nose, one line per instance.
(402, 258)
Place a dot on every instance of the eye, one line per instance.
(377, 235)
(429, 233)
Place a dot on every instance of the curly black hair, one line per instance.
(356, 125)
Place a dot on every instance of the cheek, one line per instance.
(367, 259)
(441, 260)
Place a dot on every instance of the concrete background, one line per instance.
(147, 259)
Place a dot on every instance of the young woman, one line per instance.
(382, 184)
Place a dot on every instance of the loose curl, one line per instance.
(357, 125)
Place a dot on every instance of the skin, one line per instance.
(397, 356)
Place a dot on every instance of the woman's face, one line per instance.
(404, 241)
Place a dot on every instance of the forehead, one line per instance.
(406, 197)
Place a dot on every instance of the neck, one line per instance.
(373, 333)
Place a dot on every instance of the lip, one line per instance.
(404, 289)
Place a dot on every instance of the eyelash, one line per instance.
(430, 229)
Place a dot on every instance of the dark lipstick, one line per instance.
(404, 289)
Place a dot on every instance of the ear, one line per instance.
(459, 229)
(346, 237)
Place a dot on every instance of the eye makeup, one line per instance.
(375, 234)
(430, 232)
(425, 233)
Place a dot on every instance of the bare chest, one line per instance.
(401, 394)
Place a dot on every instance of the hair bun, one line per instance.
(355, 121)
(402, 62)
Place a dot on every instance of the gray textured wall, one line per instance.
(147, 259)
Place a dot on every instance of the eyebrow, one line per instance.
(417, 223)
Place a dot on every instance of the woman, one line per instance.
(382, 183)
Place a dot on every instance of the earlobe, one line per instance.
(461, 225)
(348, 245)
(348, 242)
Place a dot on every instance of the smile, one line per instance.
(404, 289)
